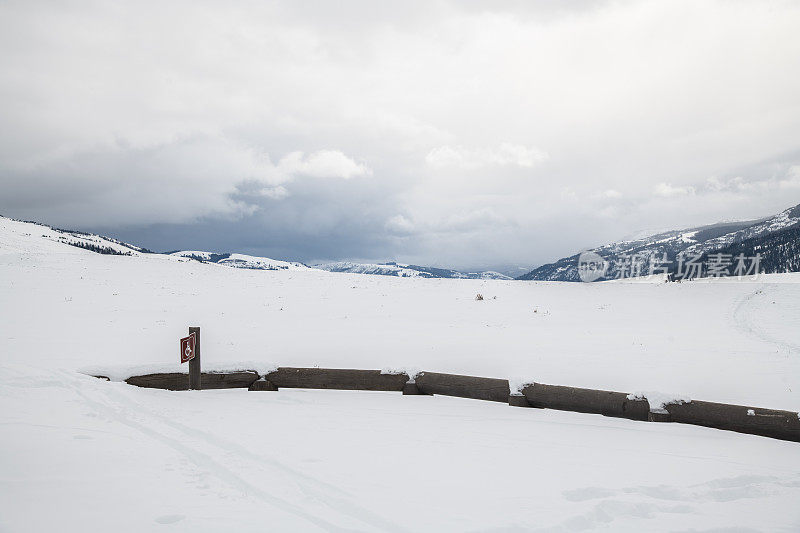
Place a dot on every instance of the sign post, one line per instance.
(190, 351)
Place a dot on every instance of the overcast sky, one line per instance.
(465, 134)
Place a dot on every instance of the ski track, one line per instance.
(743, 319)
(126, 410)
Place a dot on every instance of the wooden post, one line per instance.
(194, 364)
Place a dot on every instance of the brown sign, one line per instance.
(187, 348)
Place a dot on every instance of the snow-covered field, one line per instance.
(80, 454)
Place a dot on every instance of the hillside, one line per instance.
(699, 241)
(241, 261)
(78, 239)
(779, 250)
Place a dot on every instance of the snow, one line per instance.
(411, 372)
(14, 235)
(123, 372)
(403, 270)
(99, 455)
(387, 269)
(516, 384)
(193, 253)
(783, 220)
(658, 401)
(652, 278)
(259, 263)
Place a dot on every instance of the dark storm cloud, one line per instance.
(316, 221)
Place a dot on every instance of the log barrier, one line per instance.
(180, 382)
(776, 424)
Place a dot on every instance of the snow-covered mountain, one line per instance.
(779, 250)
(408, 271)
(377, 269)
(783, 220)
(13, 233)
(203, 257)
(241, 261)
(108, 245)
(773, 238)
(699, 241)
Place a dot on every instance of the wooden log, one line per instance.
(495, 390)
(336, 378)
(411, 389)
(601, 402)
(211, 380)
(784, 425)
(518, 400)
(262, 385)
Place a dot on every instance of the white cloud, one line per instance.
(173, 182)
(323, 164)
(399, 225)
(787, 180)
(667, 190)
(505, 154)
(404, 94)
(274, 193)
(792, 179)
(475, 219)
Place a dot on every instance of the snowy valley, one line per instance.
(303, 460)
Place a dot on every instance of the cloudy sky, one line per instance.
(465, 134)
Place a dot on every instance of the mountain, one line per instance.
(241, 261)
(512, 271)
(110, 246)
(406, 271)
(693, 242)
(779, 250)
(762, 228)
(203, 257)
(78, 239)
(378, 269)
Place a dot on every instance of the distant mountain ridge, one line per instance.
(697, 242)
(775, 239)
(377, 269)
(110, 246)
(406, 271)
